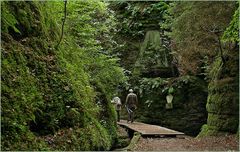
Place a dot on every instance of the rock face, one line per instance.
(153, 50)
(223, 97)
(188, 111)
(48, 101)
(153, 59)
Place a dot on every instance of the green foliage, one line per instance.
(170, 90)
(134, 19)
(8, 20)
(94, 47)
(152, 54)
(25, 19)
(206, 131)
(196, 35)
(91, 137)
(20, 99)
(232, 32)
(45, 90)
(223, 98)
(134, 16)
(187, 112)
(148, 84)
(222, 72)
(25, 68)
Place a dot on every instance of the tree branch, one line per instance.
(217, 32)
(221, 51)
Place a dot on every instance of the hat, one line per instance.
(130, 90)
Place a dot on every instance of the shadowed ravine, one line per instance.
(174, 63)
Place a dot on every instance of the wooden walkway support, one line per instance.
(149, 130)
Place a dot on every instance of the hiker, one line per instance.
(117, 101)
(131, 105)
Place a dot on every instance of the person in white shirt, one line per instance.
(117, 101)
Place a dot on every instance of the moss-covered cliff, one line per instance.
(165, 39)
(140, 33)
(223, 99)
(54, 98)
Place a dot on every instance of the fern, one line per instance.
(8, 20)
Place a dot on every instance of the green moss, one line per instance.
(207, 131)
(48, 92)
(223, 98)
(92, 137)
(223, 103)
(222, 122)
(223, 85)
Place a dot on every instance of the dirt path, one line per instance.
(186, 143)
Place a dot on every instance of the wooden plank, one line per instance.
(146, 129)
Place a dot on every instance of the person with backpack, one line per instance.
(117, 101)
(131, 105)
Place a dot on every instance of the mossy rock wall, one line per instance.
(47, 100)
(140, 33)
(223, 99)
(189, 106)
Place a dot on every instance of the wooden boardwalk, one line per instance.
(149, 130)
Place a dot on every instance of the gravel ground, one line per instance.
(186, 143)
